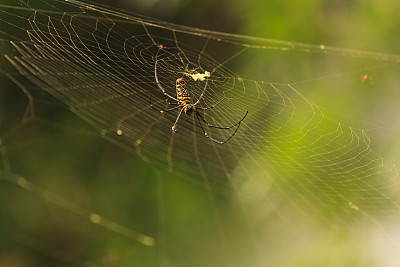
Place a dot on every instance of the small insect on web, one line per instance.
(184, 103)
(366, 78)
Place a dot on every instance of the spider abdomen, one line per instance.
(181, 89)
(183, 95)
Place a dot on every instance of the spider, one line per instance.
(183, 101)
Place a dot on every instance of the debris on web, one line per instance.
(198, 76)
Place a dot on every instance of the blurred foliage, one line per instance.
(61, 155)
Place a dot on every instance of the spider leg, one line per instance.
(202, 93)
(213, 106)
(159, 85)
(174, 126)
(219, 127)
(215, 140)
(166, 110)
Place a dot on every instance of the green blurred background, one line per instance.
(59, 153)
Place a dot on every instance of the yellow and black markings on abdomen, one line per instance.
(183, 94)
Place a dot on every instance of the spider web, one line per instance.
(288, 160)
